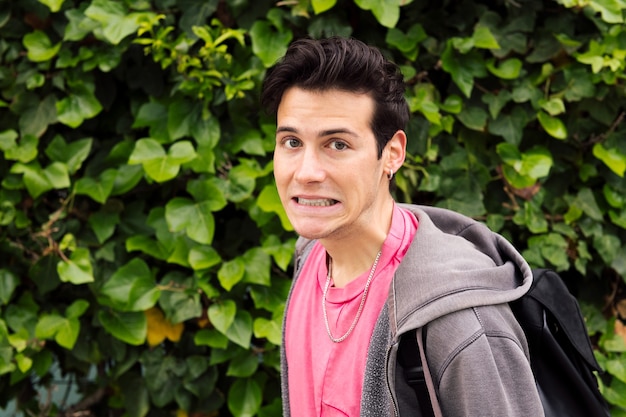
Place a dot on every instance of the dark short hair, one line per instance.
(345, 64)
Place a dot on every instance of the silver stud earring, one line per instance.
(390, 176)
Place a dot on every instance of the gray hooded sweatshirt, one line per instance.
(457, 278)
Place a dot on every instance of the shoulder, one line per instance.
(473, 334)
(480, 364)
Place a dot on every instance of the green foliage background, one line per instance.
(144, 254)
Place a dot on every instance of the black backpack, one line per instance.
(561, 355)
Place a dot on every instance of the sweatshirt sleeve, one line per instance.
(487, 373)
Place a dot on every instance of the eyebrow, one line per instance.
(322, 133)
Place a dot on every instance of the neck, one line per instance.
(354, 255)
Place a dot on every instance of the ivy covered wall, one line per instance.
(144, 254)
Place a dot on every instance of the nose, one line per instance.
(310, 168)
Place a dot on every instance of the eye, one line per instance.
(291, 143)
(338, 145)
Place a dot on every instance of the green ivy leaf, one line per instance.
(612, 196)
(269, 201)
(79, 105)
(269, 329)
(222, 314)
(48, 325)
(243, 366)
(536, 162)
(239, 185)
(320, 6)
(116, 22)
(8, 284)
(131, 288)
(474, 118)
(211, 338)
(129, 327)
(73, 155)
(78, 25)
(135, 395)
(103, 224)
(77, 269)
(23, 152)
(271, 298)
(180, 118)
(68, 333)
(64, 329)
(509, 69)
(205, 131)
(534, 219)
(98, 189)
(240, 331)
(158, 165)
(153, 114)
(203, 257)
(7, 213)
(76, 309)
(523, 169)
(245, 397)
(268, 43)
(257, 266)
(552, 125)
(586, 200)
(483, 38)
(146, 150)
(610, 10)
(496, 102)
(554, 106)
(39, 47)
(612, 158)
(24, 363)
(195, 219)
(54, 5)
(552, 247)
(282, 252)
(387, 13)
(8, 139)
(231, 272)
(184, 302)
(209, 192)
(146, 245)
(408, 43)
(510, 126)
(452, 104)
(38, 181)
(461, 75)
(37, 117)
(609, 249)
(126, 178)
(618, 218)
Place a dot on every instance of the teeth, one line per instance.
(322, 202)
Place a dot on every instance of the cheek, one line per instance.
(281, 175)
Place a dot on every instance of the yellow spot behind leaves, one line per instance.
(159, 328)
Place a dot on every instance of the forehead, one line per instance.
(324, 107)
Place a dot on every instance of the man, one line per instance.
(368, 270)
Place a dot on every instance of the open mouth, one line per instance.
(317, 202)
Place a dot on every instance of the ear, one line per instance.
(395, 151)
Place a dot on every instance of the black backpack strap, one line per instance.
(413, 359)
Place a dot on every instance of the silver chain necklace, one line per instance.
(363, 297)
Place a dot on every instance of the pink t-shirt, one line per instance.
(326, 378)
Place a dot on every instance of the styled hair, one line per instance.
(345, 64)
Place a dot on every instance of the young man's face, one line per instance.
(326, 166)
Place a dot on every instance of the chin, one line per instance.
(311, 233)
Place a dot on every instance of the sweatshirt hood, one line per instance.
(453, 263)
